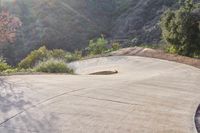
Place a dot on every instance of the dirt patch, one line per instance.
(104, 73)
(159, 54)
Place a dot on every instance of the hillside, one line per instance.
(139, 23)
(70, 24)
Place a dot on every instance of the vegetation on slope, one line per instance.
(55, 61)
(75, 26)
(181, 29)
(70, 24)
(53, 66)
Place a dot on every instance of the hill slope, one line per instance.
(69, 24)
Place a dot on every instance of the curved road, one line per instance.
(146, 96)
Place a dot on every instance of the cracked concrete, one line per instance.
(145, 96)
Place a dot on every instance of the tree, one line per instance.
(180, 29)
(97, 46)
(188, 5)
(8, 26)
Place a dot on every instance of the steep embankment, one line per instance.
(159, 54)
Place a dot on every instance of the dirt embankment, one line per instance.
(159, 54)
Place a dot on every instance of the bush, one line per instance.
(115, 46)
(42, 54)
(170, 49)
(181, 30)
(9, 71)
(58, 54)
(34, 57)
(97, 46)
(73, 56)
(100, 46)
(3, 65)
(53, 66)
(16, 70)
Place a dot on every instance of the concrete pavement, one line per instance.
(145, 96)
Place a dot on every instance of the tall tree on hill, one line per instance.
(180, 29)
(8, 26)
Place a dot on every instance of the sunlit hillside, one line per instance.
(99, 66)
(70, 24)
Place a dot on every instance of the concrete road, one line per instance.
(146, 96)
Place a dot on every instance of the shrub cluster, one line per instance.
(34, 57)
(53, 66)
(101, 46)
(97, 46)
(55, 61)
(3, 65)
(181, 29)
(42, 55)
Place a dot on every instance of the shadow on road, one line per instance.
(9, 98)
(15, 114)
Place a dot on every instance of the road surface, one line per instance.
(145, 96)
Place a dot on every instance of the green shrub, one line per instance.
(3, 65)
(115, 46)
(100, 46)
(53, 66)
(29, 70)
(58, 54)
(170, 49)
(16, 70)
(73, 56)
(34, 57)
(97, 46)
(43, 54)
(10, 70)
(180, 29)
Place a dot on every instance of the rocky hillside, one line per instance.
(69, 24)
(139, 22)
